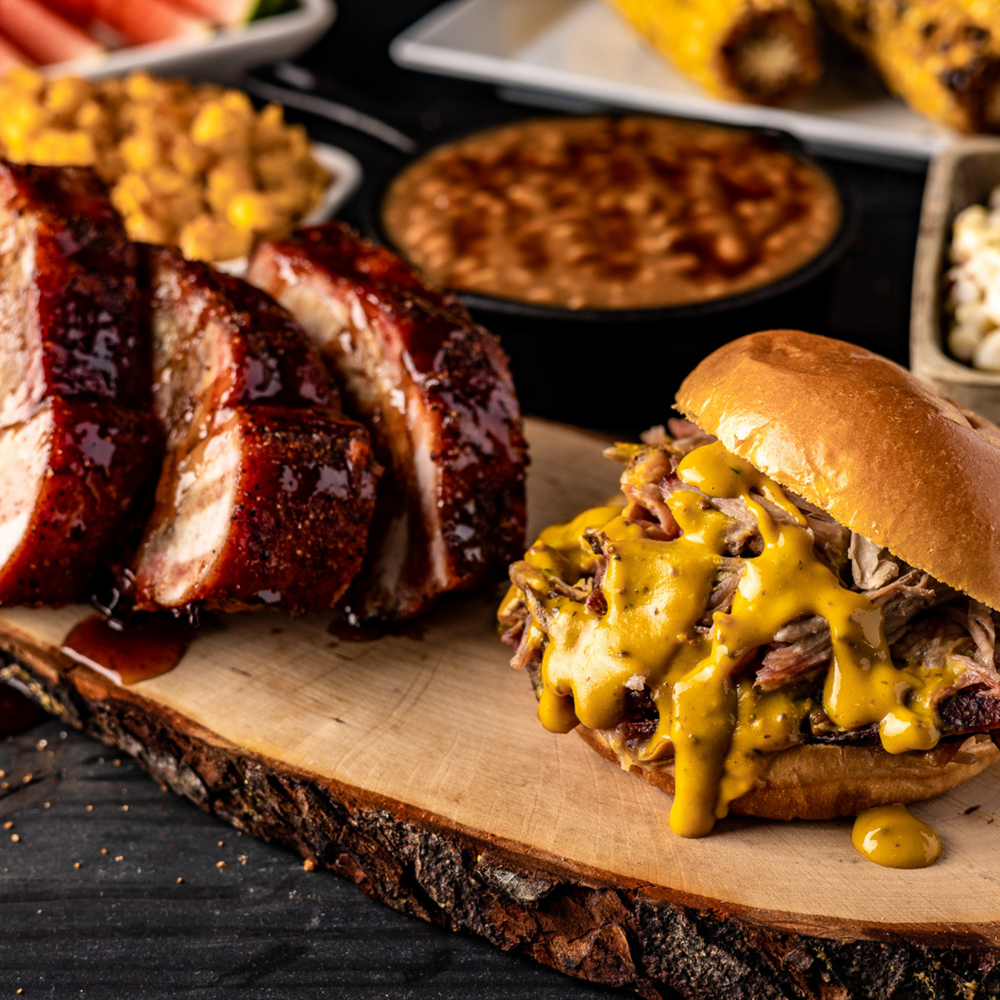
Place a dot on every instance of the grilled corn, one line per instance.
(941, 56)
(764, 51)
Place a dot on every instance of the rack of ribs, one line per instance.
(435, 391)
(267, 491)
(78, 445)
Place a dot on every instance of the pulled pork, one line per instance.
(924, 620)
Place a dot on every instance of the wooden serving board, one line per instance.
(414, 765)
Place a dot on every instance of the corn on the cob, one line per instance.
(765, 51)
(941, 56)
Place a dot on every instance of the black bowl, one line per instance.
(623, 377)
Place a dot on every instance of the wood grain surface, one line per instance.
(422, 752)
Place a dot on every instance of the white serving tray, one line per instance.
(224, 56)
(583, 50)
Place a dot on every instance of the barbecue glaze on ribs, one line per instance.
(77, 442)
(435, 391)
(267, 490)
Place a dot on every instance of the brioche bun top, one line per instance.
(860, 437)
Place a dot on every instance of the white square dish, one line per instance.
(962, 175)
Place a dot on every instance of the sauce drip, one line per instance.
(350, 629)
(892, 836)
(17, 711)
(141, 650)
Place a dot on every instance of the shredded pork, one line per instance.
(924, 620)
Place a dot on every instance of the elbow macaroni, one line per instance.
(194, 166)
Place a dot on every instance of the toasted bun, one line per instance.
(860, 437)
(819, 781)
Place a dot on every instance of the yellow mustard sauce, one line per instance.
(717, 725)
(894, 837)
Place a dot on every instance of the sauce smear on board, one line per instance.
(894, 837)
(142, 650)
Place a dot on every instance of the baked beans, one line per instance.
(610, 212)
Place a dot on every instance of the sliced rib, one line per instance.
(219, 342)
(435, 391)
(69, 301)
(78, 445)
(70, 477)
(270, 508)
(267, 490)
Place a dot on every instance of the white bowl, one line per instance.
(224, 56)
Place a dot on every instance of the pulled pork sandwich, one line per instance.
(790, 613)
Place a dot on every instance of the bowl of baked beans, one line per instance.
(614, 215)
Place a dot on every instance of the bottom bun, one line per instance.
(821, 781)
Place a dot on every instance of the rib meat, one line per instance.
(219, 343)
(267, 490)
(435, 391)
(77, 442)
(69, 302)
(69, 478)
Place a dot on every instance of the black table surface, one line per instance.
(112, 887)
